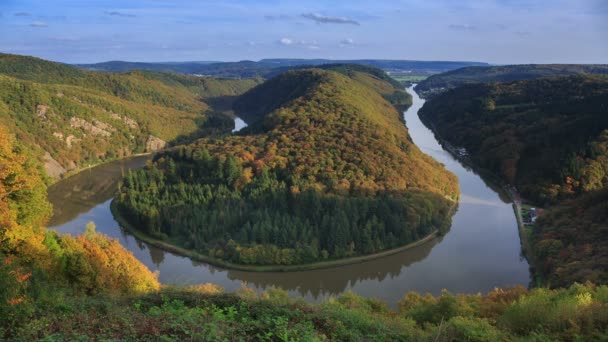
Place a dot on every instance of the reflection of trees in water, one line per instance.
(82, 192)
(86, 190)
(157, 255)
(334, 281)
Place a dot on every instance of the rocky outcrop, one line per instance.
(52, 166)
(96, 128)
(155, 144)
(128, 121)
(41, 111)
(70, 140)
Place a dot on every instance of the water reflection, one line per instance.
(480, 252)
(81, 192)
(239, 124)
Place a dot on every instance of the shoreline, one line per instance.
(168, 247)
(75, 172)
(526, 247)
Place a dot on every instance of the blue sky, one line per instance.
(495, 31)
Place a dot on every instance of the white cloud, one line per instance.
(347, 42)
(285, 41)
(39, 24)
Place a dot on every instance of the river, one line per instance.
(480, 252)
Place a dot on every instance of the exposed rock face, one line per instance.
(155, 144)
(128, 121)
(41, 111)
(70, 139)
(52, 167)
(96, 128)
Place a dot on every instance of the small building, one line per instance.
(462, 152)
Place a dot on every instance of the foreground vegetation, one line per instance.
(205, 313)
(76, 118)
(439, 83)
(326, 170)
(549, 138)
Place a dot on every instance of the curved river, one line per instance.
(480, 252)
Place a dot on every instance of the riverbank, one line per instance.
(75, 172)
(264, 268)
(513, 195)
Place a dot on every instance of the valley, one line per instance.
(488, 249)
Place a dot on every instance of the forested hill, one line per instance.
(259, 101)
(75, 118)
(508, 73)
(330, 173)
(549, 137)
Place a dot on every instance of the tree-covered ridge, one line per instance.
(507, 73)
(81, 118)
(251, 107)
(548, 137)
(327, 171)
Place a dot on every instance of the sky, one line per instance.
(494, 31)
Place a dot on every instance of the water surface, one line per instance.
(480, 252)
(239, 124)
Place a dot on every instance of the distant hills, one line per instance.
(271, 67)
(478, 74)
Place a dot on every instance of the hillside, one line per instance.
(75, 118)
(479, 74)
(39, 266)
(326, 170)
(549, 138)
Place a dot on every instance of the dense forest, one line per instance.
(76, 118)
(439, 83)
(326, 170)
(549, 138)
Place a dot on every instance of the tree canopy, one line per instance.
(325, 170)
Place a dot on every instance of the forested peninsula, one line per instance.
(325, 170)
